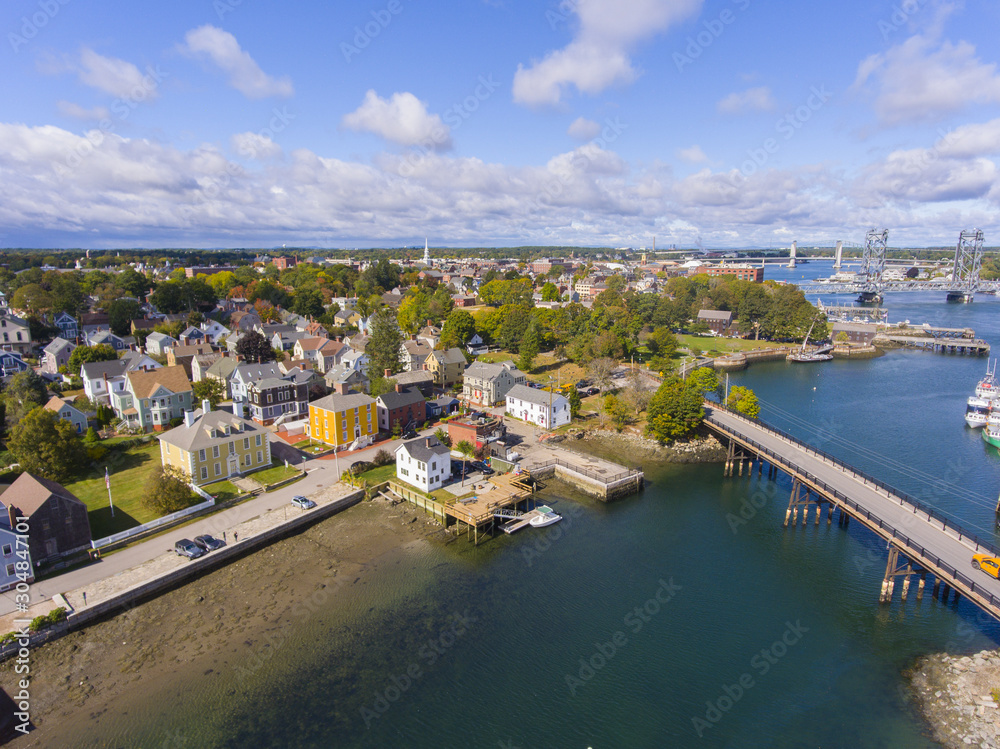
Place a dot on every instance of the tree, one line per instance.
(255, 348)
(167, 491)
(550, 292)
(209, 389)
(637, 394)
(442, 436)
(121, 313)
(743, 400)
(86, 354)
(46, 445)
(26, 391)
(616, 410)
(133, 283)
(530, 345)
(675, 411)
(600, 371)
(457, 329)
(308, 303)
(468, 450)
(383, 343)
(575, 402)
(704, 380)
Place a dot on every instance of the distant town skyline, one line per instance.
(498, 123)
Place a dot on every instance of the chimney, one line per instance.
(427, 442)
(399, 387)
(206, 406)
(188, 418)
(12, 516)
(340, 388)
(388, 373)
(413, 337)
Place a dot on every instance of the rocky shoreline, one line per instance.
(955, 695)
(703, 448)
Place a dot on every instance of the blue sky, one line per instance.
(732, 123)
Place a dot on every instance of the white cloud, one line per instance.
(77, 112)
(401, 119)
(245, 75)
(584, 129)
(919, 80)
(116, 77)
(254, 146)
(692, 155)
(979, 139)
(757, 99)
(598, 56)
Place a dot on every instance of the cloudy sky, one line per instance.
(730, 123)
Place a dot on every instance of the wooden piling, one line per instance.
(920, 587)
(906, 586)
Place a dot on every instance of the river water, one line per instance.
(681, 617)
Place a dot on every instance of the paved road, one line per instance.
(917, 526)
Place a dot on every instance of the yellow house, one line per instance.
(447, 366)
(215, 446)
(343, 418)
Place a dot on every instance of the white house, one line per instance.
(157, 343)
(540, 407)
(355, 360)
(424, 463)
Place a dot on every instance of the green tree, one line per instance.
(133, 283)
(167, 491)
(25, 392)
(457, 329)
(704, 380)
(383, 343)
(675, 411)
(442, 436)
(86, 354)
(121, 313)
(46, 445)
(530, 345)
(209, 389)
(254, 347)
(550, 292)
(467, 449)
(575, 403)
(743, 400)
(617, 410)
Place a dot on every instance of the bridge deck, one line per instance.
(923, 536)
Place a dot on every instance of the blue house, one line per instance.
(67, 325)
(11, 363)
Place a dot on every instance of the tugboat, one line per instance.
(991, 434)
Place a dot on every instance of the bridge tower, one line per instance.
(838, 255)
(873, 266)
(791, 256)
(968, 260)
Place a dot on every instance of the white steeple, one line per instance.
(427, 253)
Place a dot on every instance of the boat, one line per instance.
(977, 411)
(802, 356)
(991, 434)
(987, 387)
(545, 516)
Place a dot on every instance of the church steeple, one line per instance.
(427, 253)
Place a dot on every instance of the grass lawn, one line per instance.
(722, 345)
(274, 474)
(129, 473)
(380, 474)
(222, 490)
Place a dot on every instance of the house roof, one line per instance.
(29, 492)
(416, 377)
(158, 336)
(251, 372)
(98, 369)
(531, 395)
(144, 384)
(192, 349)
(344, 373)
(711, 314)
(223, 367)
(424, 448)
(337, 402)
(449, 356)
(393, 400)
(199, 434)
(57, 345)
(56, 404)
(417, 348)
(488, 371)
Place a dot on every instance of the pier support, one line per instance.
(895, 568)
(801, 497)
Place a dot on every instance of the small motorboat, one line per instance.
(545, 516)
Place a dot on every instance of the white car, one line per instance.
(302, 503)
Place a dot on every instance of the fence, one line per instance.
(165, 520)
(904, 500)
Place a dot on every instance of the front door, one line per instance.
(234, 465)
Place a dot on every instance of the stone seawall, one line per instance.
(955, 694)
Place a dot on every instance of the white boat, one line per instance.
(802, 356)
(987, 387)
(977, 411)
(544, 517)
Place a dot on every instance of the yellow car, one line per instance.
(986, 563)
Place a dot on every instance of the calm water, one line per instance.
(684, 610)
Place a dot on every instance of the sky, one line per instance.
(712, 123)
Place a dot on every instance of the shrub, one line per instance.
(38, 623)
(57, 615)
(383, 458)
(9, 637)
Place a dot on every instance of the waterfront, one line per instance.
(767, 637)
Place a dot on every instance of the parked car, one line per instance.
(208, 543)
(456, 466)
(482, 468)
(302, 503)
(592, 390)
(187, 548)
(583, 384)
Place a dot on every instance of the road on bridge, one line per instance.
(917, 526)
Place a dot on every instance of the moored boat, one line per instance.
(977, 411)
(991, 434)
(545, 516)
(987, 387)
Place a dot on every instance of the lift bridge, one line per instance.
(870, 283)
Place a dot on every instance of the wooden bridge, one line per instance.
(921, 541)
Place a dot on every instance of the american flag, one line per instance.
(107, 478)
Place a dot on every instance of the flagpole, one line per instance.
(107, 482)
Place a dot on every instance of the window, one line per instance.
(10, 567)
(260, 456)
(215, 451)
(258, 440)
(246, 443)
(201, 455)
(269, 397)
(7, 550)
(204, 472)
(218, 469)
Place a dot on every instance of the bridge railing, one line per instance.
(903, 497)
(895, 533)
